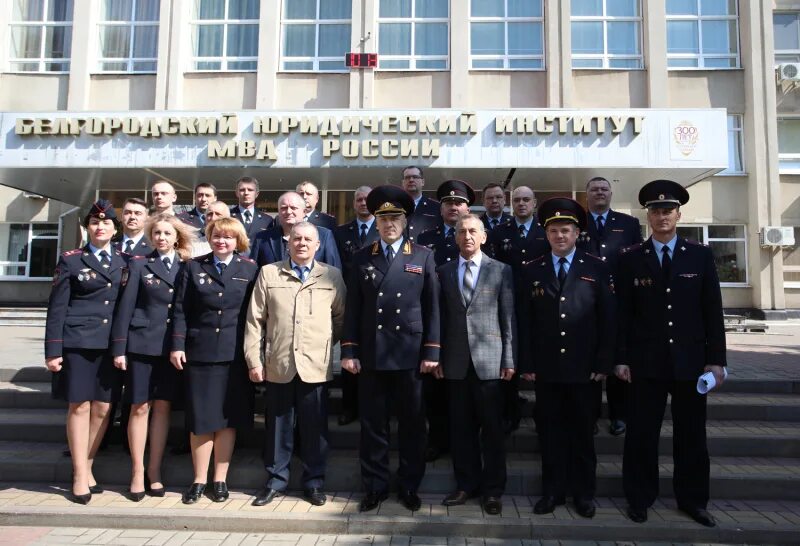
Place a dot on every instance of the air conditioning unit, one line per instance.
(789, 72)
(776, 236)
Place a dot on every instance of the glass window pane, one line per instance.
(624, 63)
(27, 10)
(209, 9)
(622, 8)
(719, 36)
(429, 64)
(208, 40)
(623, 38)
(431, 8)
(726, 62)
(717, 7)
(44, 253)
(789, 136)
(725, 232)
(59, 10)
(335, 9)
(26, 42)
(208, 65)
(587, 37)
(334, 40)
(115, 41)
(488, 39)
(242, 65)
(298, 41)
(14, 243)
(682, 63)
(244, 9)
(587, 63)
(300, 9)
(144, 66)
(534, 64)
(298, 65)
(395, 8)
(114, 66)
(587, 8)
(243, 41)
(682, 7)
(682, 37)
(729, 259)
(524, 8)
(487, 63)
(487, 8)
(115, 10)
(394, 64)
(147, 10)
(328, 66)
(524, 38)
(395, 39)
(58, 42)
(430, 39)
(787, 58)
(691, 233)
(56, 67)
(786, 31)
(145, 41)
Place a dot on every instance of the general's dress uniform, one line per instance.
(670, 330)
(350, 238)
(425, 216)
(142, 329)
(605, 236)
(80, 314)
(391, 324)
(208, 324)
(567, 333)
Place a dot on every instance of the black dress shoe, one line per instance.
(135, 497)
(266, 496)
(219, 492)
(616, 428)
(700, 515)
(547, 504)
(410, 500)
(153, 491)
(432, 453)
(492, 505)
(96, 489)
(372, 500)
(315, 496)
(457, 498)
(585, 508)
(346, 417)
(193, 494)
(80, 499)
(637, 515)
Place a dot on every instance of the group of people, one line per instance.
(439, 314)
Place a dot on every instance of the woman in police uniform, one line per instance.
(141, 344)
(207, 342)
(79, 318)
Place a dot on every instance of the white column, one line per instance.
(269, 36)
(654, 49)
(84, 45)
(164, 54)
(459, 54)
(179, 54)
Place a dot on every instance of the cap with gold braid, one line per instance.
(562, 209)
(385, 200)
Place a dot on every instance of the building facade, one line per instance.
(81, 82)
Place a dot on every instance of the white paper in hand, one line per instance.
(707, 381)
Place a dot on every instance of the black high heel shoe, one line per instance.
(152, 491)
(80, 499)
(135, 497)
(193, 494)
(96, 489)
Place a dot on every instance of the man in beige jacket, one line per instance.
(295, 317)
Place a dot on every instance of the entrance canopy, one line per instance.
(71, 156)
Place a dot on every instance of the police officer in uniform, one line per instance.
(80, 312)
(350, 238)
(494, 201)
(426, 211)
(133, 241)
(309, 191)
(567, 336)
(204, 195)
(455, 198)
(254, 219)
(391, 336)
(607, 233)
(671, 332)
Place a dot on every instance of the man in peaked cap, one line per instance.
(455, 198)
(391, 337)
(670, 332)
(567, 332)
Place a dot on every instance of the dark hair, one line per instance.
(206, 185)
(135, 201)
(421, 172)
(597, 179)
(248, 180)
(491, 185)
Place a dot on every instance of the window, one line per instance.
(789, 137)
(41, 35)
(506, 35)
(128, 35)
(225, 35)
(729, 246)
(702, 34)
(316, 35)
(735, 145)
(786, 32)
(28, 250)
(413, 34)
(791, 262)
(606, 34)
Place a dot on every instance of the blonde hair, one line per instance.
(185, 233)
(230, 225)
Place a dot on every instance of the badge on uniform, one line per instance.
(201, 278)
(85, 274)
(590, 279)
(411, 268)
(148, 279)
(687, 275)
(125, 274)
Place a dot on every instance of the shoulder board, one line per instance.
(538, 259)
(135, 256)
(693, 243)
(247, 259)
(593, 257)
(73, 252)
(630, 248)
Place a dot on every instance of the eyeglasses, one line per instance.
(412, 177)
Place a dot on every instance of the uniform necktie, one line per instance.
(166, 261)
(522, 230)
(105, 259)
(129, 246)
(562, 271)
(389, 254)
(600, 226)
(468, 287)
(221, 267)
(362, 236)
(449, 234)
(247, 217)
(666, 263)
(493, 222)
(301, 271)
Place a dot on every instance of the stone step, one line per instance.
(725, 438)
(731, 477)
(111, 519)
(723, 405)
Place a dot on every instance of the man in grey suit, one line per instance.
(478, 350)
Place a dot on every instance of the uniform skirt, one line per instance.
(150, 378)
(87, 375)
(218, 395)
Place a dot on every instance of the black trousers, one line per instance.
(306, 406)
(616, 394)
(349, 392)
(377, 390)
(476, 434)
(648, 399)
(512, 406)
(565, 416)
(435, 392)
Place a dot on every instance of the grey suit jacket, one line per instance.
(486, 330)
